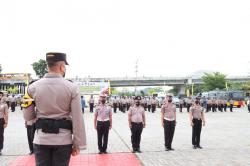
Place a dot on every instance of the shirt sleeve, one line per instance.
(29, 112)
(174, 108)
(79, 134)
(110, 110)
(6, 110)
(130, 111)
(162, 109)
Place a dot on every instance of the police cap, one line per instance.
(138, 98)
(52, 57)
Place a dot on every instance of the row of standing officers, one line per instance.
(137, 121)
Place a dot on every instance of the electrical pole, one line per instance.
(136, 74)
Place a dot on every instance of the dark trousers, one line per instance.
(214, 108)
(153, 108)
(149, 108)
(208, 107)
(13, 107)
(248, 107)
(169, 127)
(91, 107)
(83, 110)
(52, 155)
(196, 132)
(115, 107)
(102, 135)
(231, 107)
(120, 107)
(220, 107)
(136, 131)
(30, 135)
(124, 108)
(1, 132)
(145, 106)
(225, 107)
(180, 107)
(188, 107)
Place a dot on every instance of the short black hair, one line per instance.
(1, 93)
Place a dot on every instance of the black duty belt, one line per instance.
(53, 125)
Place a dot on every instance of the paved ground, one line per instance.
(225, 138)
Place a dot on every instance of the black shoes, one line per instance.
(168, 149)
(199, 147)
(195, 147)
(102, 152)
(136, 150)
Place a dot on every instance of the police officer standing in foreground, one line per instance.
(136, 121)
(168, 120)
(103, 123)
(196, 120)
(58, 114)
(3, 120)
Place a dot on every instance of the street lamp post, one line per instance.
(136, 73)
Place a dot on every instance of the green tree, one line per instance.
(40, 68)
(13, 90)
(236, 86)
(114, 91)
(213, 81)
(246, 88)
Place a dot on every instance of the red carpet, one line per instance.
(116, 159)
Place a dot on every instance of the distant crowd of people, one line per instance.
(123, 103)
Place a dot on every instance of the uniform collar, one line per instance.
(53, 75)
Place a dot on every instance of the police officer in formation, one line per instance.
(60, 129)
(115, 104)
(154, 103)
(149, 104)
(189, 103)
(103, 123)
(3, 119)
(137, 121)
(214, 105)
(91, 103)
(144, 103)
(248, 105)
(231, 102)
(209, 105)
(196, 120)
(225, 105)
(123, 104)
(168, 120)
(181, 102)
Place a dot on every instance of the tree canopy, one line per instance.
(213, 81)
(40, 68)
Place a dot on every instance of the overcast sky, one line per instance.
(104, 38)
